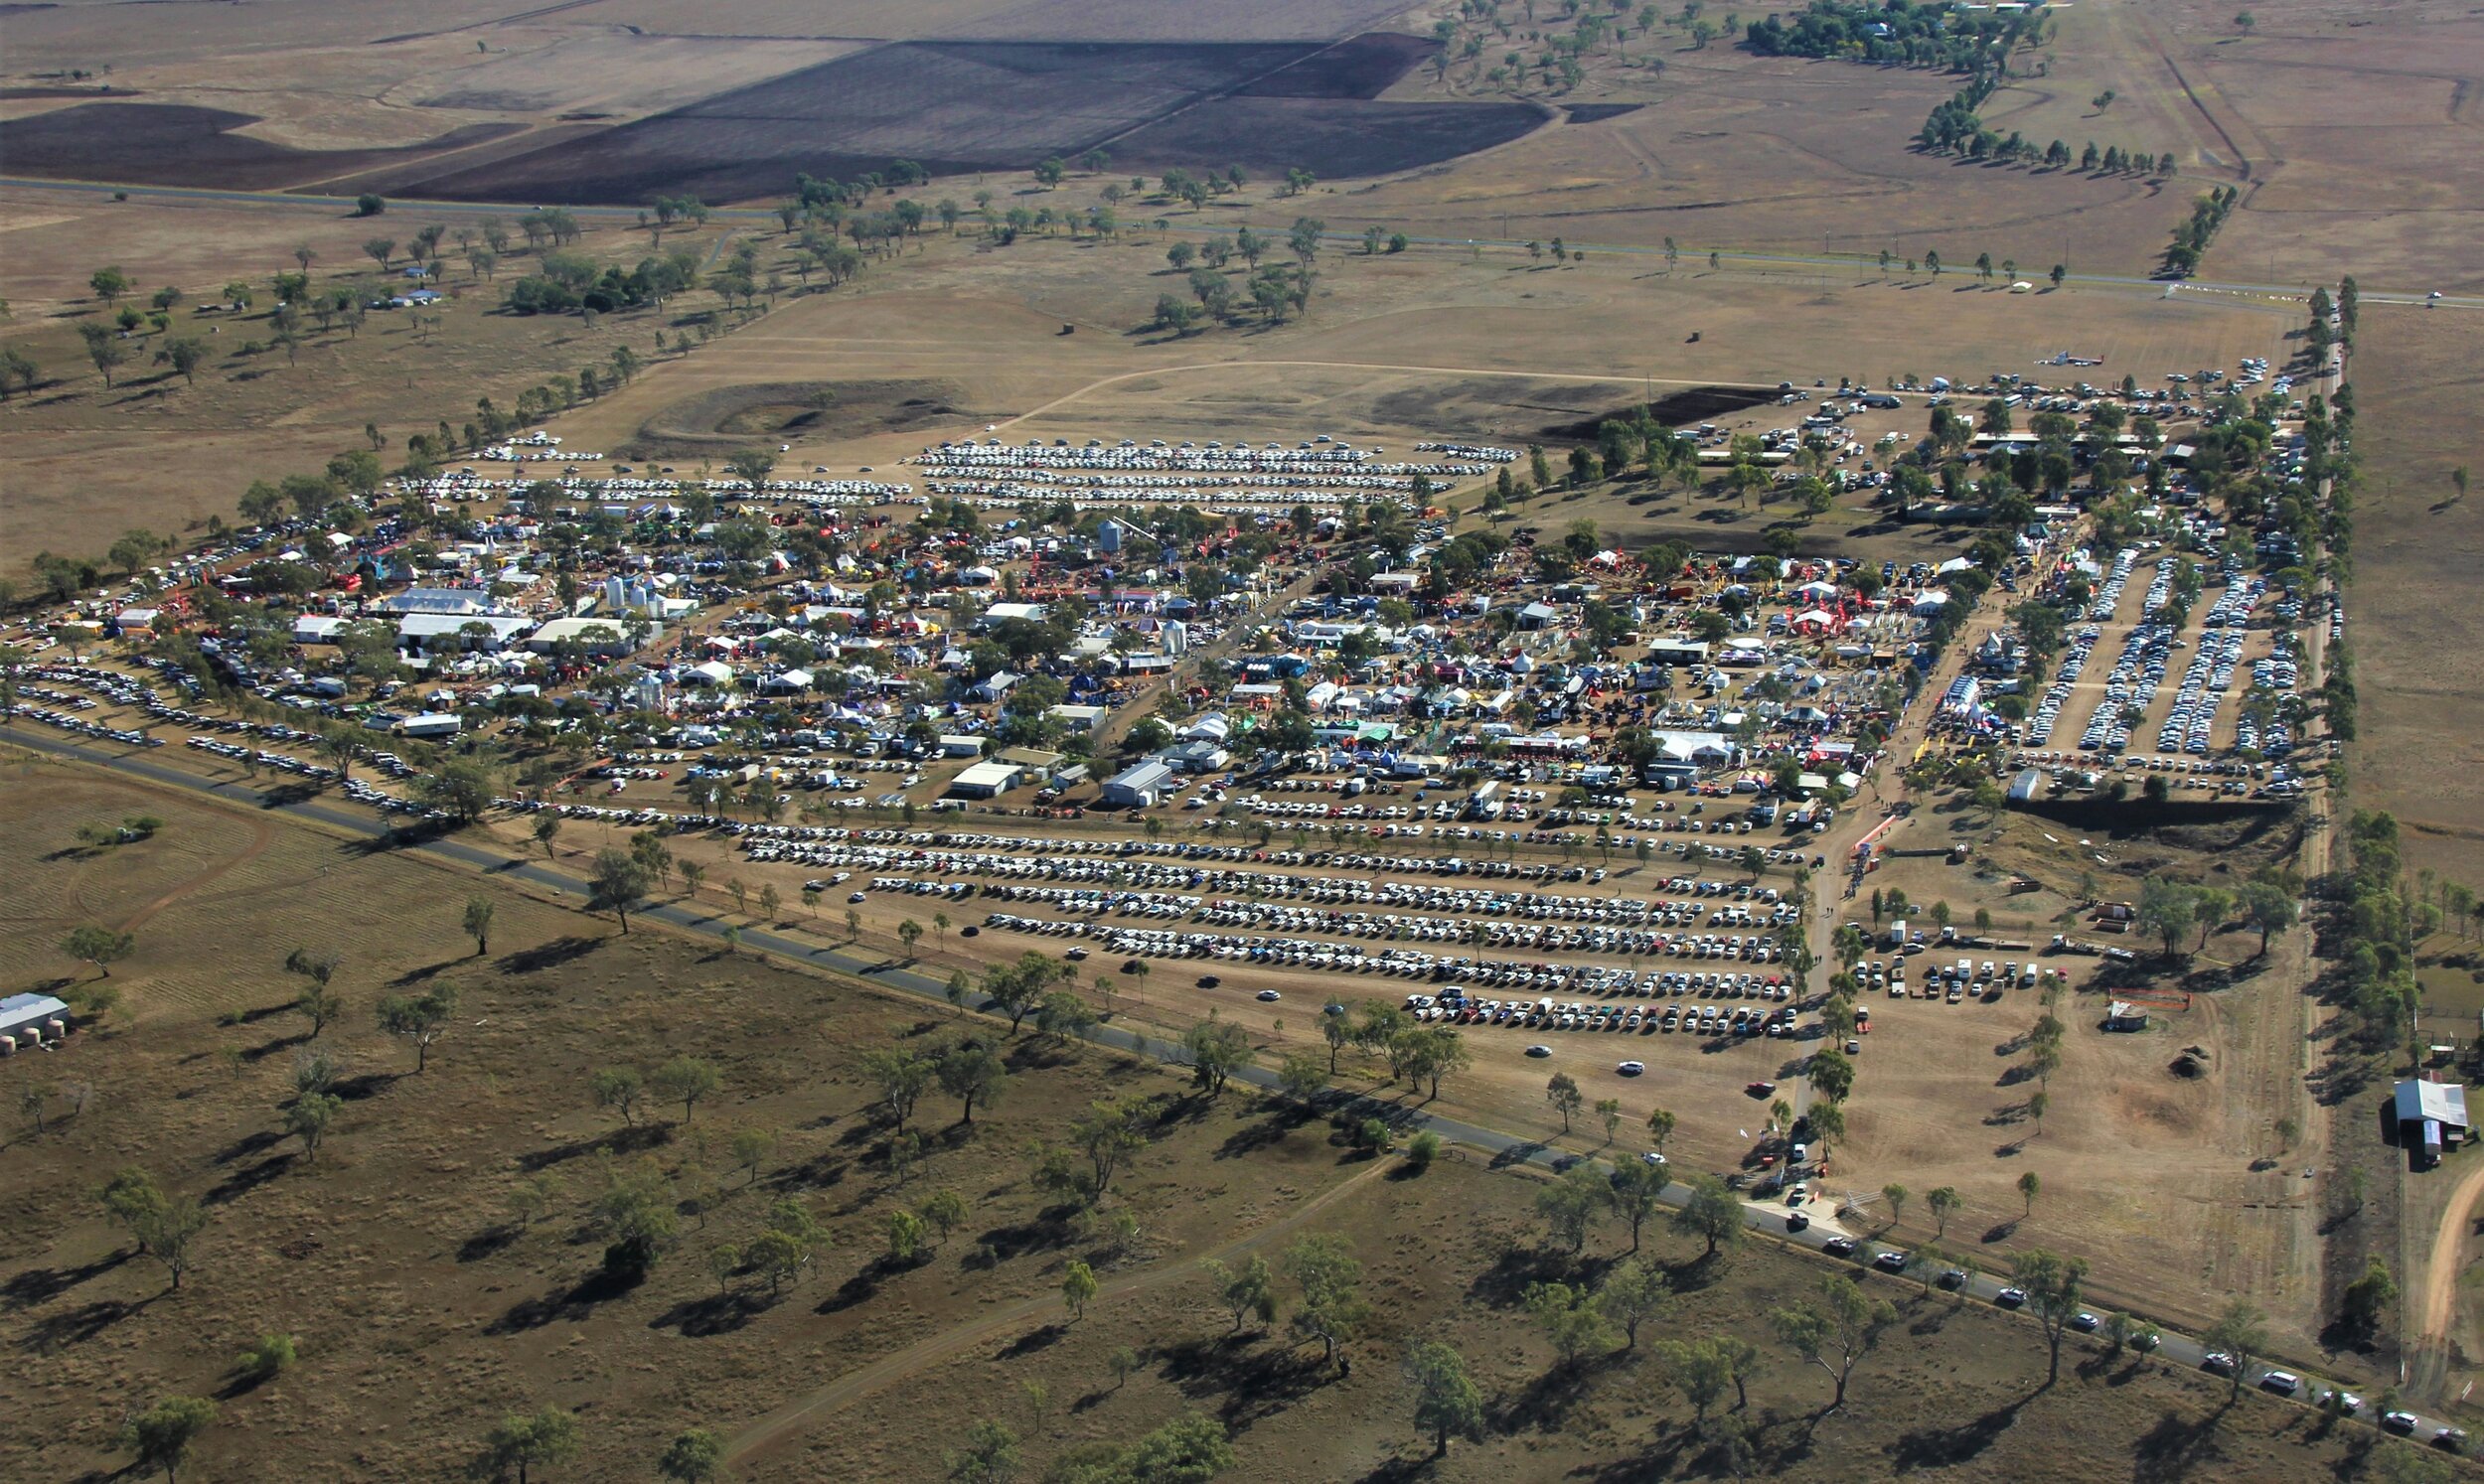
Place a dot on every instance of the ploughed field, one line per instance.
(960, 107)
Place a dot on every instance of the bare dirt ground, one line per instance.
(421, 1318)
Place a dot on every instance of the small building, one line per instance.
(1138, 787)
(1196, 757)
(2122, 1015)
(1077, 718)
(2025, 788)
(988, 778)
(25, 1019)
(2431, 1117)
(430, 726)
(604, 636)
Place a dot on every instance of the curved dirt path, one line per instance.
(263, 834)
(2440, 1279)
(782, 1425)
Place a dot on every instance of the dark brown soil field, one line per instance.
(1332, 138)
(713, 424)
(1360, 67)
(964, 107)
(178, 145)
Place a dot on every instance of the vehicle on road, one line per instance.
(1838, 1247)
(1892, 1261)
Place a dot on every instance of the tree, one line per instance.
(2029, 1186)
(1943, 1202)
(1447, 1399)
(1570, 1204)
(972, 1074)
(1563, 1094)
(1834, 1332)
(547, 826)
(478, 923)
(2054, 1286)
(165, 1232)
(1896, 1195)
(1571, 1317)
(2367, 1299)
(368, 204)
(98, 945)
(162, 1435)
(1632, 1294)
(1333, 1308)
(617, 883)
(910, 933)
(2241, 1332)
(267, 1358)
(1635, 1191)
(1249, 1293)
(1112, 1131)
(1302, 1076)
(1079, 1289)
(2166, 908)
(420, 1018)
(990, 1456)
(694, 1457)
(184, 354)
(777, 1255)
(942, 1211)
(104, 346)
(2268, 907)
(619, 1089)
(1659, 1129)
(1701, 1370)
(686, 1080)
(1216, 1048)
(310, 1118)
(548, 1435)
(1712, 1214)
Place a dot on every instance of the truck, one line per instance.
(1484, 803)
(2063, 944)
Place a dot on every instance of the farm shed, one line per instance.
(28, 1018)
(986, 780)
(1137, 786)
(2431, 1116)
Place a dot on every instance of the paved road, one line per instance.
(1503, 1149)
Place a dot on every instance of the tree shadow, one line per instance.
(633, 1139)
(1950, 1448)
(40, 1285)
(2175, 1446)
(1030, 1343)
(489, 1242)
(55, 1332)
(568, 949)
(576, 1305)
(1254, 1381)
(712, 1314)
(242, 1181)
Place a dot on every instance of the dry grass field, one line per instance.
(2411, 623)
(422, 1315)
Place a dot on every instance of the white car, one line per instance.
(1540, 1052)
(1270, 995)
(1630, 1069)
